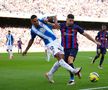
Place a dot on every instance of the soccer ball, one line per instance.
(94, 77)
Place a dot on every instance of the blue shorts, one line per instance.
(101, 50)
(70, 52)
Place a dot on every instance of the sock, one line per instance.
(48, 56)
(71, 74)
(54, 68)
(66, 66)
(102, 59)
(10, 53)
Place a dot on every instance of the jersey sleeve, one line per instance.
(80, 30)
(62, 25)
(97, 36)
(42, 21)
(107, 35)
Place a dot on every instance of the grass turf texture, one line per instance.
(27, 73)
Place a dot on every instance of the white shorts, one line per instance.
(55, 47)
(9, 47)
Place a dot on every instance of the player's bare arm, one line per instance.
(90, 38)
(52, 21)
(96, 38)
(28, 46)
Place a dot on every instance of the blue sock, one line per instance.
(71, 75)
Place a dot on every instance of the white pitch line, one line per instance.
(95, 88)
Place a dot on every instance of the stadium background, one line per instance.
(27, 73)
(14, 16)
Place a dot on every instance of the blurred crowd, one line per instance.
(90, 8)
(24, 34)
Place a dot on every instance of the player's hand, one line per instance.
(24, 53)
(98, 43)
(55, 17)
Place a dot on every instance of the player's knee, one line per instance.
(58, 56)
(98, 55)
(70, 59)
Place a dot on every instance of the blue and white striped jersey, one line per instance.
(10, 39)
(44, 31)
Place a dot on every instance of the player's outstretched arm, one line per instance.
(28, 46)
(52, 20)
(90, 38)
(56, 24)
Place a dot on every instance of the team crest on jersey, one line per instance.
(41, 24)
(68, 34)
(42, 30)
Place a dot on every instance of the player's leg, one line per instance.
(48, 55)
(21, 49)
(101, 61)
(70, 55)
(49, 74)
(18, 50)
(56, 64)
(68, 59)
(54, 68)
(63, 64)
(70, 62)
(57, 53)
(8, 50)
(103, 52)
(97, 56)
(10, 53)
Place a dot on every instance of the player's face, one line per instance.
(8, 32)
(70, 21)
(104, 27)
(35, 21)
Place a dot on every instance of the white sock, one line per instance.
(66, 66)
(48, 56)
(54, 68)
(11, 54)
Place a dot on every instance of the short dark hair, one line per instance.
(9, 31)
(70, 16)
(33, 16)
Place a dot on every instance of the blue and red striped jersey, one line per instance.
(69, 35)
(102, 37)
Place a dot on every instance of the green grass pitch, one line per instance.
(27, 73)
